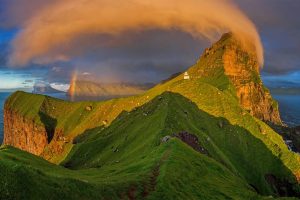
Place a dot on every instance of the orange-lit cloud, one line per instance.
(64, 21)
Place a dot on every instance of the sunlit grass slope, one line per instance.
(73, 118)
(128, 160)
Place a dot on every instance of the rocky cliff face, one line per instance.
(36, 134)
(228, 57)
(23, 133)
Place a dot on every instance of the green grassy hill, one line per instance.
(128, 160)
(217, 148)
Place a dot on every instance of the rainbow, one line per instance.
(72, 90)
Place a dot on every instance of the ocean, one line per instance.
(289, 106)
(3, 96)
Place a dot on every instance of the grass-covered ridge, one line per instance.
(112, 149)
(128, 160)
(74, 119)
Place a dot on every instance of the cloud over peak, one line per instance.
(61, 23)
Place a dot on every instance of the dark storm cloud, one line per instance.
(4, 46)
(59, 73)
(145, 56)
(63, 22)
(13, 13)
(154, 55)
(279, 25)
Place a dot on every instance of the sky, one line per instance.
(47, 40)
(19, 79)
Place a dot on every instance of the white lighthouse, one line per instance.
(186, 76)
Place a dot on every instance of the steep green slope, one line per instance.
(128, 160)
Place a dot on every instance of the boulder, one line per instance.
(165, 139)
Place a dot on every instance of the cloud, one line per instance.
(14, 13)
(279, 25)
(288, 80)
(58, 25)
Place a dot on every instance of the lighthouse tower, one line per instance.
(186, 76)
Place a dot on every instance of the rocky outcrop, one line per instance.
(282, 187)
(192, 141)
(243, 70)
(291, 136)
(37, 133)
(23, 133)
(228, 57)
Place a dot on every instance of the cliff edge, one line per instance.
(228, 57)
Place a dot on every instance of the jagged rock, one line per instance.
(165, 139)
(242, 68)
(89, 108)
(221, 124)
(297, 130)
(283, 187)
(23, 133)
(192, 141)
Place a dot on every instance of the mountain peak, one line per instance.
(229, 63)
(226, 39)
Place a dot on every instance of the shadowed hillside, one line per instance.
(132, 159)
